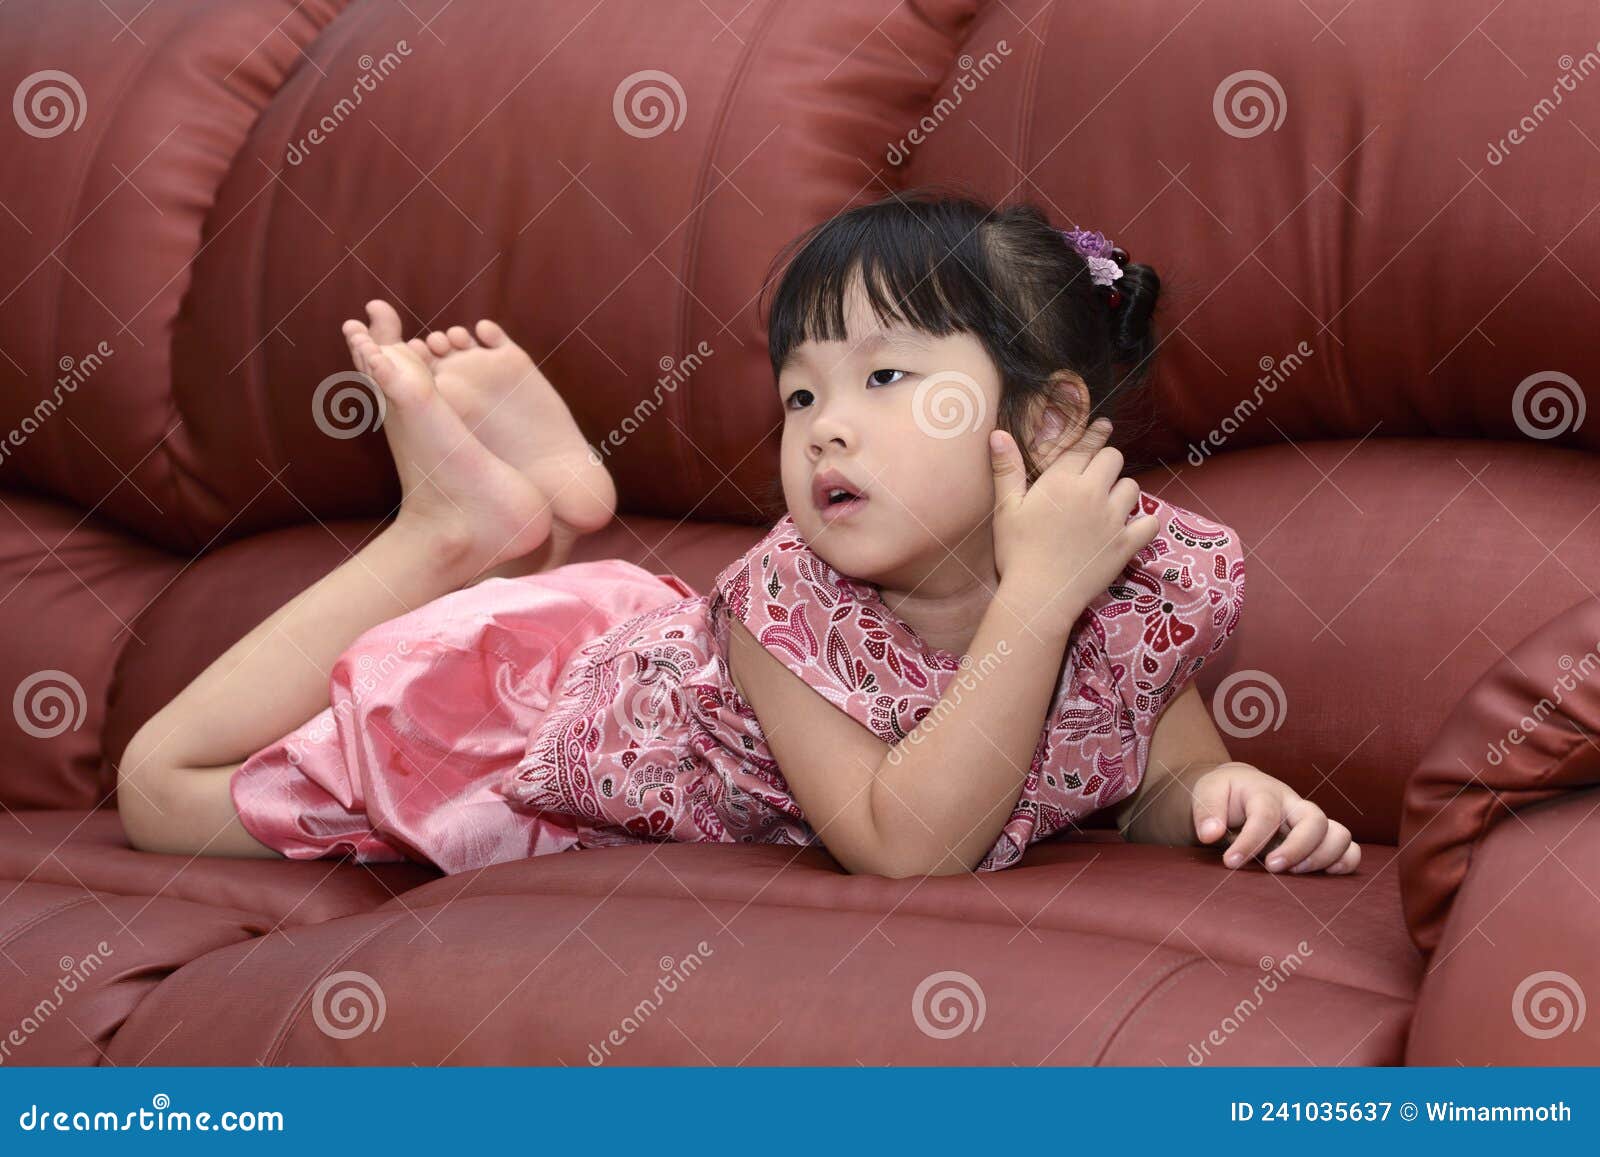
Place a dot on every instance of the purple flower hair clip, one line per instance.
(1101, 255)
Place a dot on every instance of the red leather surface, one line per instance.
(1094, 953)
(1519, 946)
(88, 850)
(80, 961)
(1369, 222)
(1523, 735)
(101, 236)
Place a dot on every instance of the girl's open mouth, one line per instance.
(835, 496)
(844, 507)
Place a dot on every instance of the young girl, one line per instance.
(965, 634)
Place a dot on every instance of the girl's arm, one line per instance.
(1184, 746)
(933, 804)
(1193, 792)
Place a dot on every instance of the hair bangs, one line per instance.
(915, 271)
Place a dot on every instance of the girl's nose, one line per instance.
(817, 444)
(829, 428)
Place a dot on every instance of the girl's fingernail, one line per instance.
(1231, 859)
(1275, 862)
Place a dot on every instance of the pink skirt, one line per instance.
(427, 712)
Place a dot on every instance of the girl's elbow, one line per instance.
(887, 862)
(903, 867)
(890, 867)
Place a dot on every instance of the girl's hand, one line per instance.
(1060, 542)
(1232, 794)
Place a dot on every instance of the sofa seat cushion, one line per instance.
(1091, 951)
(78, 961)
(88, 850)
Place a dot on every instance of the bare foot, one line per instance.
(503, 397)
(450, 481)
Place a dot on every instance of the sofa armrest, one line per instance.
(1524, 733)
(1510, 981)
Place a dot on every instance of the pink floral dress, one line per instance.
(592, 705)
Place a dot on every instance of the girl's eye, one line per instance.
(802, 398)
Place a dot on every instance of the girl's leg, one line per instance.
(464, 511)
(172, 785)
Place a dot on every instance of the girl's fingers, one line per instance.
(1335, 848)
(1263, 816)
(1010, 478)
(1211, 808)
(1348, 862)
(1308, 827)
(1124, 496)
(1089, 443)
(1141, 532)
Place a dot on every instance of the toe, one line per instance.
(419, 347)
(377, 367)
(360, 344)
(490, 334)
(385, 321)
(438, 343)
(459, 337)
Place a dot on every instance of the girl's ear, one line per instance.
(1058, 419)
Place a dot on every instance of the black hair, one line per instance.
(946, 262)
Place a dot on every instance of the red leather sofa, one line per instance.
(1378, 236)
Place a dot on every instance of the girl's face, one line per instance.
(902, 419)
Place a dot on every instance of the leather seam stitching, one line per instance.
(40, 917)
(281, 1037)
